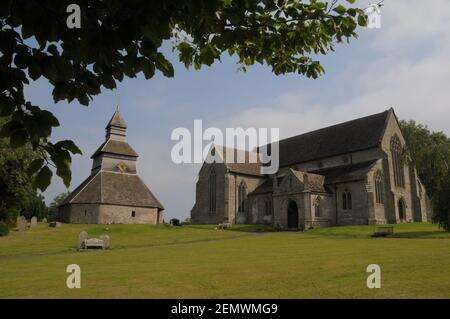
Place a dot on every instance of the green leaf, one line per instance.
(35, 166)
(163, 65)
(340, 9)
(43, 178)
(362, 20)
(69, 145)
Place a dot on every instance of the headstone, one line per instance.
(33, 222)
(44, 220)
(21, 223)
(82, 237)
(55, 224)
(105, 239)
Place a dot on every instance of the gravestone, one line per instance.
(44, 220)
(55, 224)
(105, 239)
(81, 239)
(33, 222)
(21, 223)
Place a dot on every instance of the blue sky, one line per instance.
(404, 65)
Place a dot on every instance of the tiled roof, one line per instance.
(359, 134)
(346, 173)
(115, 147)
(117, 120)
(115, 189)
(248, 168)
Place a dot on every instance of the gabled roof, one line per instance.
(116, 147)
(246, 168)
(115, 189)
(117, 120)
(265, 188)
(356, 135)
(314, 182)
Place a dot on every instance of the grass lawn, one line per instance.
(199, 262)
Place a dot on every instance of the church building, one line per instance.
(353, 173)
(113, 193)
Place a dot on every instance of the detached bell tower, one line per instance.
(113, 193)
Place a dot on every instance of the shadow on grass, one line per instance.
(422, 234)
(236, 228)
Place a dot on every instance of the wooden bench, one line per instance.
(383, 231)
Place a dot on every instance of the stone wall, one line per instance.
(395, 193)
(201, 213)
(233, 181)
(109, 214)
(79, 214)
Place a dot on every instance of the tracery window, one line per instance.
(396, 152)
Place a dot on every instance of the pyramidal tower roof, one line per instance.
(114, 179)
(117, 120)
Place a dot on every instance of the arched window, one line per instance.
(396, 152)
(379, 193)
(317, 207)
(346, 200)
(212, 191)
(268, 207)
(241, 197)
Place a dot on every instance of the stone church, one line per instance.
(353, 173)
(113, 193)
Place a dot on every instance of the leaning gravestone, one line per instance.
(33, 222)
(81, 239)
(105, 239)
(55, 224)
(21, 223)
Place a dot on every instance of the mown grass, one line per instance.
(162, 262)
(45, 240)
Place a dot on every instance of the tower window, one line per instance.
(133, 214)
